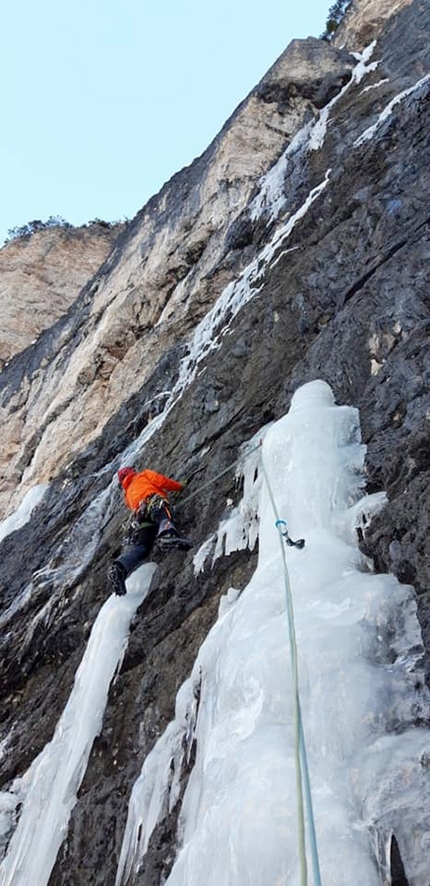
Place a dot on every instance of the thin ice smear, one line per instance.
(48, 790)
(238, 528)
(362, 68)
(73, 555)
(272, 195)
(361, 685)
(370, 132)
(22, 515)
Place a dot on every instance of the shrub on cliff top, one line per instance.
(20, 232)
(335, 16)
(55, 221)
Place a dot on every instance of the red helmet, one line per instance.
(125, 472)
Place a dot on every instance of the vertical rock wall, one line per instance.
(342, 297)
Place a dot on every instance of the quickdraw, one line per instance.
(300, 543)
(155, 503)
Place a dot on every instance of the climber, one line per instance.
(145, 494)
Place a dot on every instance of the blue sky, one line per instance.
(101, 101)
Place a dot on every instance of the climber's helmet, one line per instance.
(123, 473)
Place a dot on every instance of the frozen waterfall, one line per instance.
(48, 790)
(361, 689)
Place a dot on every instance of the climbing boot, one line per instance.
(116, 576)
(171, 539)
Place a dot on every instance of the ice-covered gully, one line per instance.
(361, 687)
(48, 791)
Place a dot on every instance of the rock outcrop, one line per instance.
(42, 274)
(363, 21)
(163, 275)
(293, 249)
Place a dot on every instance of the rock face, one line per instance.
(345, 299)
(42, 274)
(163, 275)
(364, 20)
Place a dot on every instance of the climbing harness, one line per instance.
(152, 504)
(301, 762)
(188, 498)
(135, 527)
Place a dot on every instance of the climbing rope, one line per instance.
(184, 501)
(301, 762)
(304, 795)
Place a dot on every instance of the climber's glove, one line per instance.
(174, 496)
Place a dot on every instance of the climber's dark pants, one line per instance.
(136, 553)
(157, 520)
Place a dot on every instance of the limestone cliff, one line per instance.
(295, 248)
(363, 21)
(166, 271)
(42, 274)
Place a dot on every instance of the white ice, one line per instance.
(361, 691)
(48, 790)
(370, 132)
(73, 555)
(22, 515)
(319, 129)
(376, 85)
(272, 194)
(271, 197)
(209, 333)
(238, 529)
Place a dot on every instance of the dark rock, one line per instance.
(398, 876)
(312, 69)
(239, 234)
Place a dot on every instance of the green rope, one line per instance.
(184, 501)
(301, 762)
(296, 701)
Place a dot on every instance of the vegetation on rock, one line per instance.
(335, 15)
(21, 232)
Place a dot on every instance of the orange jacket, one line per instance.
(138, 487)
